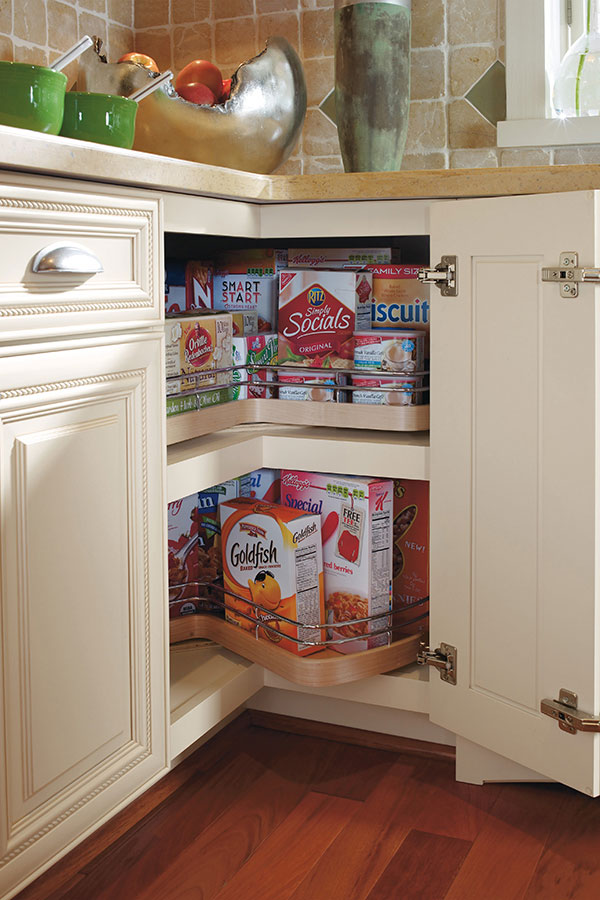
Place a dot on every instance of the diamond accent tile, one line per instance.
(488, 94)
(327, 106)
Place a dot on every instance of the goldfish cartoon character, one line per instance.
(265, 590)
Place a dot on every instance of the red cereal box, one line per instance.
(410, 553)
(319, 311)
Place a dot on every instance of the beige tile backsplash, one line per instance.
(454, 43)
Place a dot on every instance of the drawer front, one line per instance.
(112, 281)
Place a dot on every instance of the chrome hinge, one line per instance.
(444, 276)
(569, 718)
(569, 274)
(443, 659)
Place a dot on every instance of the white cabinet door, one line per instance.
(82, 590)
(514, 479)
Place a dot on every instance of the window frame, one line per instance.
(535, 42)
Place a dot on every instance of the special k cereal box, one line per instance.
(356, 527)
(410, 553)
(319, 311)
(399, 299)
(272, 557)
(337, 257)
(199, 344)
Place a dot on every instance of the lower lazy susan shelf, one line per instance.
(326, 667)
(296, 412)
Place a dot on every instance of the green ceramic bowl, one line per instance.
(31, 97)
(103, 118)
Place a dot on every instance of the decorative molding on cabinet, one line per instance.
(65, 385)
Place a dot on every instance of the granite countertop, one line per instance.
(30, 151)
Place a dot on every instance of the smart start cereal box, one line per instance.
(356, 527)
(319, 311)
(199, 344)
(410, 552)
(247, 293)
(272, 558)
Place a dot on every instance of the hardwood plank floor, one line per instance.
(259, 814)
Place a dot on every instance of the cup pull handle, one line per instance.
(66, 258)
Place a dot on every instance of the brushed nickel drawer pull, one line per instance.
(70, 259)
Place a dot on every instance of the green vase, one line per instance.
(372, 82)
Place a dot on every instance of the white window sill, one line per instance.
(549, 132)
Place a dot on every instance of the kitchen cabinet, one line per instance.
(511, 456)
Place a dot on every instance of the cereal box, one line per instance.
(199, 344)
(399, 299)
(410, 553)
(265, 484)
(188, 286)
(319, 311)
(247, 293)
(244, 322)
(255, 349)
(356, 516)
(309, 387)
(253, 261)
(272, 557)
(337, 257)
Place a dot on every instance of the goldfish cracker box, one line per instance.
(399, 299)
(356, 516)
(319, 311)
(272, 557)
(410, 552)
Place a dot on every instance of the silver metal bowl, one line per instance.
(255, 130)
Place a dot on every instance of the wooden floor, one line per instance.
(262, 815)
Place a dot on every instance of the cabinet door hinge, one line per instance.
(569, 718)
(443, 659)
(568, 274)
(444, 276)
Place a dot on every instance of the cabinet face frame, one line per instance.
(104, 391)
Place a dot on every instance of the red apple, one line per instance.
(200, 71)
(142, 59)
(197, 93)
(226, 90)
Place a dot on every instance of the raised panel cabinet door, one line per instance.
(83, 592)
(514, 479)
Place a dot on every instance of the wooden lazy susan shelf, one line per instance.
(318, 670)
(293, 412)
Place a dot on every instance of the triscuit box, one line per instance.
(272, 557)
(247, 293)
(199, 344)
(410, 553)
(399, 299)
(319, 311)
(356, 516)
(337, 257)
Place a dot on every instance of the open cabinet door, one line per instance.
(514, 479)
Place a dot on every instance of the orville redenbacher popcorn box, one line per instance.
(319, 311)
(356, 516)
(410, 552)
(199, 344)
(399, 299)
(337, 257)
(272, 557)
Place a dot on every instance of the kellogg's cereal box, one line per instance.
(410, 552)
(253, 261)
(337, 257)
(199, 344)
(272, 557)
(265, 484)
(356, 516)
(319, 311)
(399, 299)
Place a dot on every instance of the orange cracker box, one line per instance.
(272, 557)
(410, 552)
(356, 532)
(399, 299)
(319, 311)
